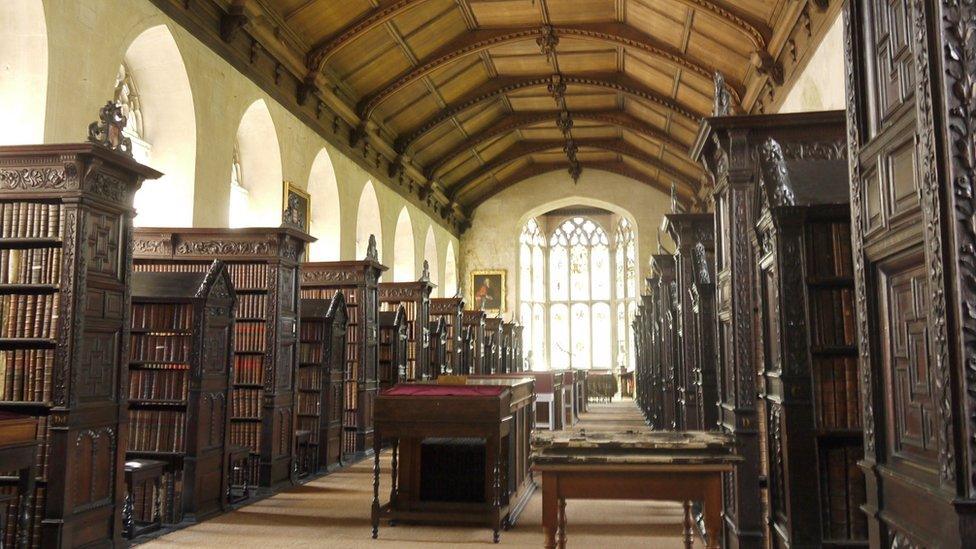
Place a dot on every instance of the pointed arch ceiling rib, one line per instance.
(471, 96)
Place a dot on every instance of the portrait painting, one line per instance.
(488, 291)
(296, 207)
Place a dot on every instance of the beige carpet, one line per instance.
(333, 511)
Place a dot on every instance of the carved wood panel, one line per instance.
(893, 57)
(909, 383)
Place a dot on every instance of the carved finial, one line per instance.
(575, 171)
(701, 264)
(294, 214)
(660, 245)
(674, 197)
(547, 41)
(107, 132)
(371, 253)
(723, 99)
(775, 177)
(557, 88)
(767, 66)
(425, 272)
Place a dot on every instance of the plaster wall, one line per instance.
(821, 85)
(86, 43)
(492, 240)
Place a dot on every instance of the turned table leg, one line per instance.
(713, 511)
(562, 523)
(550, 511)
(689, 526)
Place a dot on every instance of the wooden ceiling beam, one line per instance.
(518, 121)
(756, 31)
(473, 43)
(527, 148)
(497, 87)
(539, 168)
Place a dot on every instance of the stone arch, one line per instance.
(260, 163)
(430, 255)
(325, 223)
(450, 287)
(23, 71)
(368, 222)
(155, 64)
(404, 255)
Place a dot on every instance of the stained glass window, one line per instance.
(625, 284)
(532, 288)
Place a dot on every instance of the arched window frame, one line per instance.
(240, 197)
(533, 293)
(625, 286)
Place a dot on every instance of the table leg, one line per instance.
(562, 523)
(497, 486)
(550, 512)
(713, 511)
(376, 483)
(689, 526)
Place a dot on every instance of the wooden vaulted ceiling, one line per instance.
(477, 95)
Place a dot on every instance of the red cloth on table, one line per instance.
(444, 390)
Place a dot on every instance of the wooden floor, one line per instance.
(333, 511)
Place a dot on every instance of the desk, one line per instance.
(653, 465)
(549, 396)
(18, 449)
(488, 418)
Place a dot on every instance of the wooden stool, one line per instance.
(143, 471)
(238, 464)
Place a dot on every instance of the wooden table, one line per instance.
(149, 474)
(489, 420)
(18, 449)
(652, 465)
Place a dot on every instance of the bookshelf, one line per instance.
(357, 280)
(263, 264)
(474, 363)
(415, 299)
(438, 346)
(450, 309)
(494, 345)
(702, 292)
(65, 221)
(687, 231)
(669, 341)
(809, 393)
(180, 366)
(393, 349)
(321, 368)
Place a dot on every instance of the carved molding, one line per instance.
(222, 247)
(42, 178)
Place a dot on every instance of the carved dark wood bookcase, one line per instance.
(358, 281)
(180, 365)
(729, 148)
(494, 345)
(438, 346)
(263, 264)
(652, 398)
(518, 348)
(473, 362)
(670, 342)
(508, 347)
(394, 343)
(910, 71)
(449, 308)
(415, 298)
(69, 369)
(687, 231)
(703, 309)
(806, 353)
(321, 370)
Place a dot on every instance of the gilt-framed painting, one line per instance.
(296, 206)
(488, 291)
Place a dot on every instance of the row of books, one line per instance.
(310, 424)
(158, 384)
(246, 435)
(30, 220)
(249, 336)
(836, 391)
(311, 331)
(162, 317)
(153, 347)
(157, 430)
(830, 245)
(8, 536)
(842, 489)
(26, 374)
(245, 403)
(30, 266)
(252, 305)
(309, 378)
(309, 404)
(248, 275)
(32, 315)
(310, 353)
(248, 369)
(170, 496)
(833, 317)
